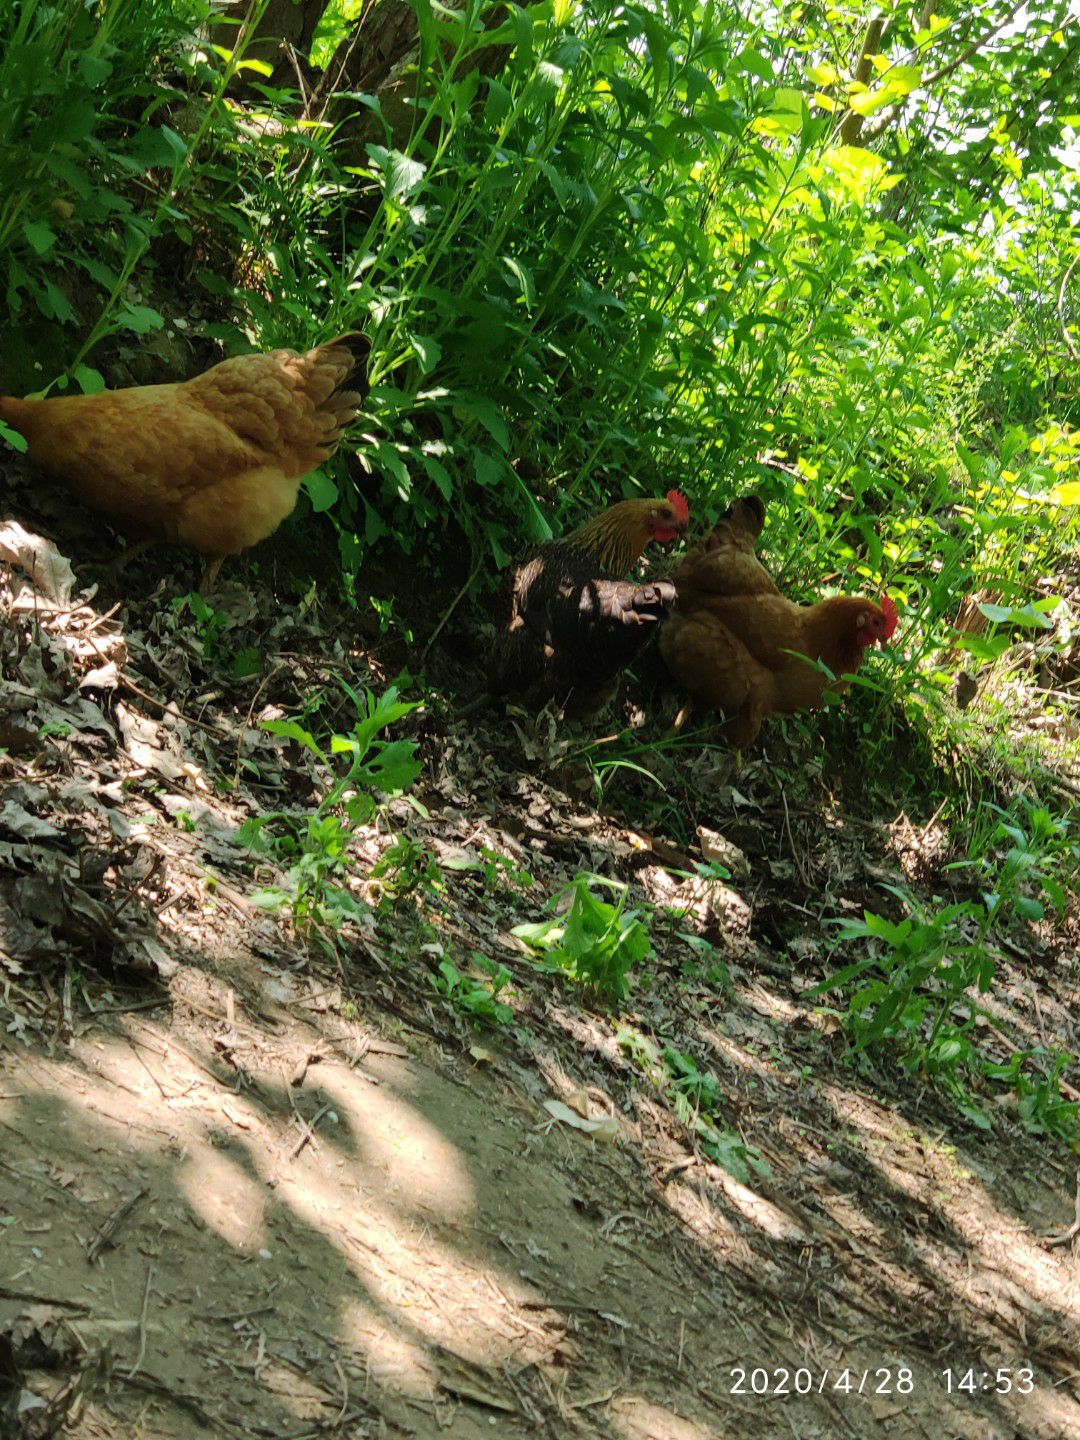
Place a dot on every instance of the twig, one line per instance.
(447, 613)
(190, 1403)
(32, 1297)
(111, 1225)
(344, 1392)
(307, 1128)
(1061, 309)
(169, 708)
(1074, 1228)
(263, 683)
(141, 1355)
(129, 1009)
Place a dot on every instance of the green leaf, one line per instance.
(535, 524)
(12, 438)
(55, 303)
(489, 416)
(986, 647)
(1029, 617)
(290, 730)
(401, 174)
(524, 279)
(321, 491)
(868, 102)
(488, 469)
(427, 350)
(95, 69)
(140, 319)
(902, 79)
(756, 64)
(39, 236)
(89, 380)
(440, 475)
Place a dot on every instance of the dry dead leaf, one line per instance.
(38, 558)
(605, 1129)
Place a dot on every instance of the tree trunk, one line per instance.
(283, 35)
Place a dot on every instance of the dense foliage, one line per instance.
(600, 248)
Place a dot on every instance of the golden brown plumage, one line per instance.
(214, 462)
(570, 624)
(733, 640)
(616, 538)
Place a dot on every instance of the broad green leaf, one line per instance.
(56, 304)
(427, 350)
(39, 236)
(290, 730)
(140, 319)
(12, 438)
(321, 491)
(489, 416)
(95, 69)
(1029, 617)
(869, 102)
(89, 380)
(823, 75)
(440, 475)
(401, 174)
(488, 469)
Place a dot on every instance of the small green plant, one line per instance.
(707, 964)
(209, 624)
(697, 1100)
(315, 848)
(388, 621)
(1021, 857)
(915, 974)
(594, 943)
(1041, 1107)
(915, 992)
(474, 997)
(498, 871)
(406, 866)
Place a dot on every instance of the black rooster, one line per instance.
(569, 624)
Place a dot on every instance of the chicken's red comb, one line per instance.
(677, 500)
(892, 617)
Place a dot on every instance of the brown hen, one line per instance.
(736, 643)
(214, 462)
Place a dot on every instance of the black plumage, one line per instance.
(568, 624)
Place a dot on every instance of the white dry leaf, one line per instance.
(605, 1129)
(37, 557)
(105, 677)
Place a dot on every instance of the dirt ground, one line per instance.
(255, 1183)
